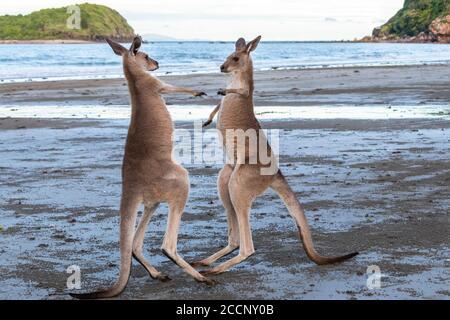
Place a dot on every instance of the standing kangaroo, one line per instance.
(240, 184)
(149, 174)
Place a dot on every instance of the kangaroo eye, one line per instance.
(235, 59)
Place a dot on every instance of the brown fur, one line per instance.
(240, 184)
(149, 174)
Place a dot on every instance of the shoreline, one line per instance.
(402, 42)
(205, 73)
(371, 85)
(370, 39)
(75, 41)
(198, 113)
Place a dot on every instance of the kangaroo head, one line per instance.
(240, 59)
(141, 58)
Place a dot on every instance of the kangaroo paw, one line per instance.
(197, 264)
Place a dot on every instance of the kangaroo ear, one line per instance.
(137, 42)
(240, 44)
(117, 48)
(251, 46)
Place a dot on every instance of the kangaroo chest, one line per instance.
(150, 132)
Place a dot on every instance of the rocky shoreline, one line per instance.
(419, 21)
(439, 32)
(421, 38)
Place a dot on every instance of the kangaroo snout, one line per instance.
(153, 65)
(222, 68)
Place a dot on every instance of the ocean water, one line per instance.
(19, 63)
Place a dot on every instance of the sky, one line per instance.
(302, 20)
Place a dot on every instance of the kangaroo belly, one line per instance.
(236, 112)
(243, 139)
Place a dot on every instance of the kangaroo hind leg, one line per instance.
(242, 199)
(177, 202)
(138, 243)
(233, 226)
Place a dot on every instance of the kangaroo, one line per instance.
(240, 183)
(149, 175)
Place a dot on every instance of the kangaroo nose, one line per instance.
(222, 68)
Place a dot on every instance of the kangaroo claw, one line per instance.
(197, 264)
(209, 272)
(163, 278)
(209, 282)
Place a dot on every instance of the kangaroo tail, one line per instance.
(283, 189)
(112, 292)
(127, 225)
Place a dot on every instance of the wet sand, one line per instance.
(413, 85)
(31, 123)
(380, 187)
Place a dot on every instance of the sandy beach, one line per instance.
(378, 186)
(357, 86)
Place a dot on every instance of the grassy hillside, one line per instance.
(97, 22)
(415, 17)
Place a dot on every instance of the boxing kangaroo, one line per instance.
(149, 175)
(242, 181)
